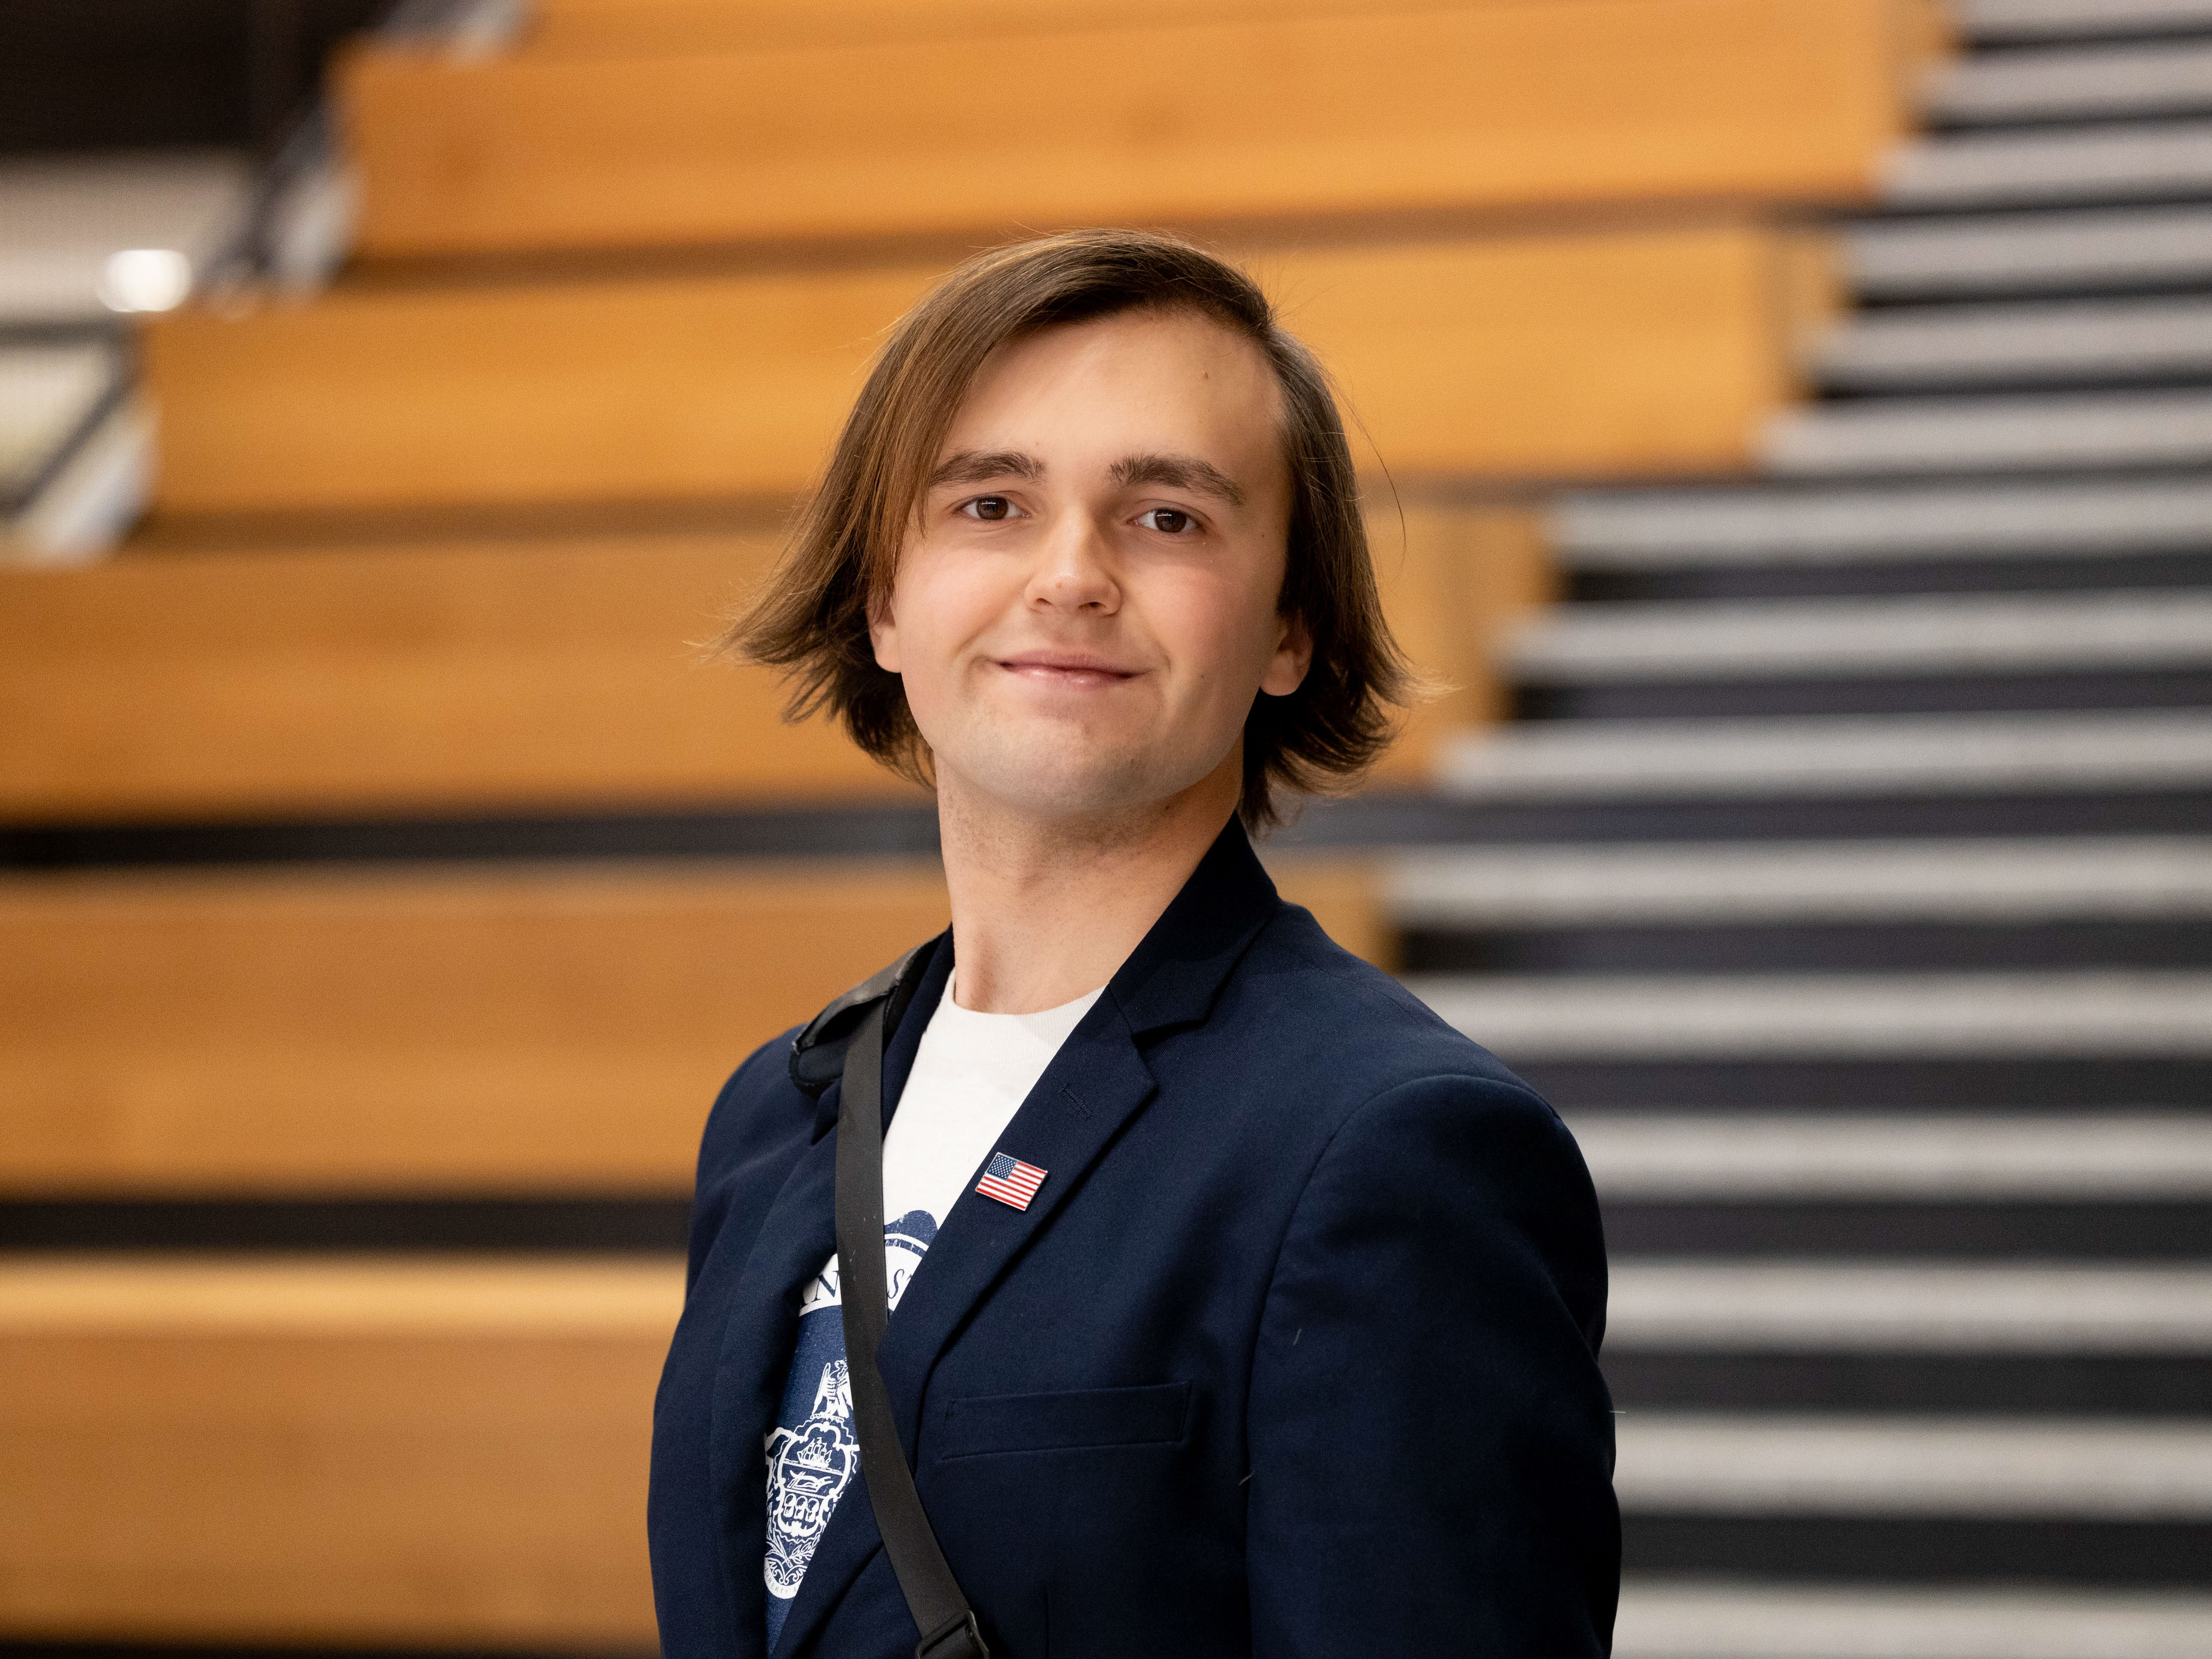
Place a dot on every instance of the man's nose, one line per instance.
(1075, 568)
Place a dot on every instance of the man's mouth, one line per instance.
(1069, 668)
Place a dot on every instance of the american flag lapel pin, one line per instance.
(1011, 1180)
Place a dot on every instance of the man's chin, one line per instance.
(1064, 786)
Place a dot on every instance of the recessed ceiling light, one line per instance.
(145, 279)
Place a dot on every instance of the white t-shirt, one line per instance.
(970, 1076)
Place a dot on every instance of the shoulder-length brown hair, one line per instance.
(811, 617)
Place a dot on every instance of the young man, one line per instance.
(1240, 1305)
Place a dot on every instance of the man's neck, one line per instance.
(1043, 912)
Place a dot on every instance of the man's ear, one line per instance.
(1286, 669)
(882, 633)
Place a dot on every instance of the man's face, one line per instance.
(1087, 605)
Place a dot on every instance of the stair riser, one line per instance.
(650, 1224)
(2113, 1232)
(1866, 694)
(1891, 578)
(2090, 1386)
(2069, 1085)
(1903, 947)
(1384, 821)
(1914, 1551)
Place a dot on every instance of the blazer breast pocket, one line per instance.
(1085, 1417)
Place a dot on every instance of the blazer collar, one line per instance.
(906, 1036)
(1092, 1086)
(1097, 1082)
(1177, 969)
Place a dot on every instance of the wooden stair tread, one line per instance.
(1480, 108)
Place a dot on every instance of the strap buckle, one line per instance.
(956, 1638)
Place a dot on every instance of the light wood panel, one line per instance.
(1630, 353)
(666, 389)
(1474, 108)
(424, 1030)
(380, 680)
(1640, 352)
(1345, 896)
(607, 28)
(553, 675)
(272, 1296)
(447, 1452)
(1453, 580)
(417, 1031)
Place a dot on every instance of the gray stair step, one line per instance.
(1647, 529)
(68, 216)
(2145, 160)
(1994, 345)
(2028, 253)
(1903, 755)
(1782, 1464)
(1527, 1018)
(1779, 1305)
(1978, 1156)
(1930, 634)
(2062, 20)
(2130, 1231)
(48, 394)
(2081, 431)
(2007, 880)
(2059, 83)
(1696, 1618)
(92, 496)
(2158, 1386)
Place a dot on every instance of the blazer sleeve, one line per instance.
(723, 1146)
(1430, 1441)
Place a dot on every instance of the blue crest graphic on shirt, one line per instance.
(812, 1451)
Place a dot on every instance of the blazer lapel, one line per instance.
(1093, 1086)
(970, 1252)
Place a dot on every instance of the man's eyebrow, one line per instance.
(1179, 472)
(981, 465)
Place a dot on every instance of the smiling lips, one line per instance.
(1071, 668)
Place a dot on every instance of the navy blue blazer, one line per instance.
(1294, 1353)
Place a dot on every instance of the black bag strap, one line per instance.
(932, 1595)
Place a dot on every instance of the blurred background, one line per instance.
(1796, 417)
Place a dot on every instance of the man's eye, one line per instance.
(989, 509)
(1168, 520)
